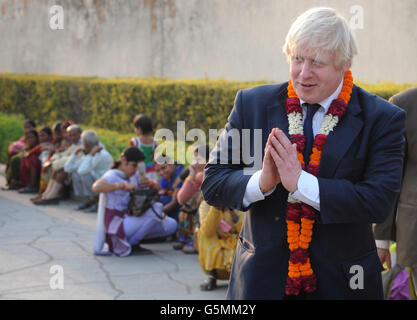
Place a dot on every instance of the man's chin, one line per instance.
(311, 99)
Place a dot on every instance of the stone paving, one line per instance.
(40, 243)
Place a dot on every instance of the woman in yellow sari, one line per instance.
(217, 239)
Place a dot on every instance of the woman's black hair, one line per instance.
(57, 127)
(143, 122)
(31, 123)
(47, 130)
(34, 132)
(131, 154)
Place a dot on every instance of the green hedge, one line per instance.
(112, 103)
(11, 129)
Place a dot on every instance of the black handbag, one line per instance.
(142, 200)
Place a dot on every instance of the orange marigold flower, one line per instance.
(294, 274)
(307, 232)
(306, 222)
(293, 233)
(305, 238)
(307, 272)
(293, 246)
(315, 157)
(291, 91)
(303, 245)
(294, 266)
(305, 266)
(293, 239)
(293, 226)
(300, 158)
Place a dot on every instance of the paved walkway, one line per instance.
(40, 243)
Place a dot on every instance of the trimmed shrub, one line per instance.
(11, 129)
(113, 103)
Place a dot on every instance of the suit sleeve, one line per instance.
(386, 230)
(224, 181)
(372, 199)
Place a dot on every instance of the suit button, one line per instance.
(276, 218)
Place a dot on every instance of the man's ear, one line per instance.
(346, 67)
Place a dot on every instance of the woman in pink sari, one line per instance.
(30, 164)
(15, 152)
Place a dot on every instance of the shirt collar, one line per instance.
(326, 102)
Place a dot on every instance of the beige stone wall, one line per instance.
(231, 39)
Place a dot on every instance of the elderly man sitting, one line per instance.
(88, 163)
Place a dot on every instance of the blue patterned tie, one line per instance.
(308, 130)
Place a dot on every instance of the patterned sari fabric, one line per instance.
(217, 244)
(189, 218)
(115, 235)
(29, 161)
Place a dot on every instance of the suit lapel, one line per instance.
(277, 117)
(340, 139)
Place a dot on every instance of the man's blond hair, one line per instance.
(322, 29)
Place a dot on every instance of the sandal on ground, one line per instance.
(178, 245)
(84, 206)
(208, 285)
(46, 201)
(138, 250)
(189, 249)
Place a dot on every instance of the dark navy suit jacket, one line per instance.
(359, 180)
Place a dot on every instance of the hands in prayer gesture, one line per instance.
(280, 163)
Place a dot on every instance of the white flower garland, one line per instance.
(295, 121)
(328, 124)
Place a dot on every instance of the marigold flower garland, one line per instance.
(300, 217)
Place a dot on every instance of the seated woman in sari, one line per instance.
(30, 165)
(217, 240)
(13, 160)
(46, 143)
(169, 184)
(124, 231)
(45, 184)
(56, 151)
(189, 197)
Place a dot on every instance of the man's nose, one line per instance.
(305, 69)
